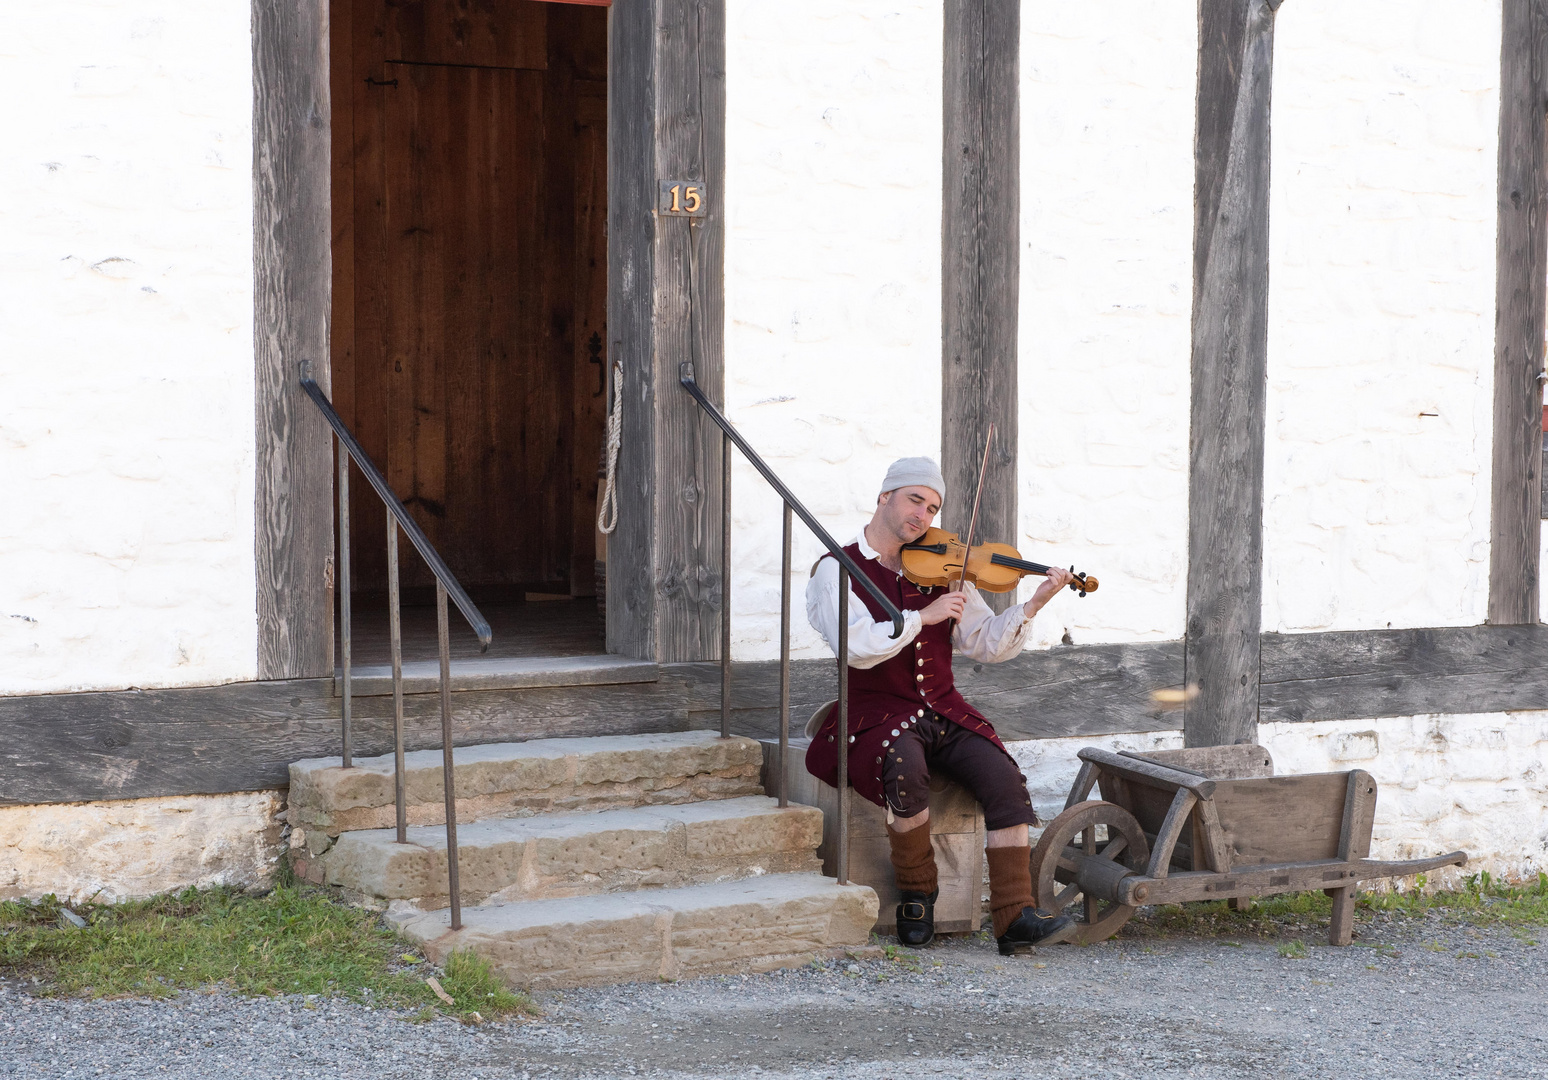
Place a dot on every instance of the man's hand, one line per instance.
(1057, 579)
(947, 606)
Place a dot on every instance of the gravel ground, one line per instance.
(1412, 998)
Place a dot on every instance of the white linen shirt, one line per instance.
(979, 635)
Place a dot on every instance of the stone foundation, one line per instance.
(132, 848)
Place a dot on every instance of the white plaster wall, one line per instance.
(1381, 309)
(126, 370)
(1476, 783)
(833, 252)
(1107, 96)
(132, 848)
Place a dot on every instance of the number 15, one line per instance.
(685, 199)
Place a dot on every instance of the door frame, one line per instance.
(666, 304)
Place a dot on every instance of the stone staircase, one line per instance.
(587, 860)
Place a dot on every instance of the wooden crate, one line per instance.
(956, 830)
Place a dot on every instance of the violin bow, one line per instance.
(983, 470)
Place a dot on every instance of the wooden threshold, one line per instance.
(501, 673)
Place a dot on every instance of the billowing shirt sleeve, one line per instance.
(869, 642)
(989, 638)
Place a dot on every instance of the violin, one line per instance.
(936, 559)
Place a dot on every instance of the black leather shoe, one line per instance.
(916, 918)
(1034, 926)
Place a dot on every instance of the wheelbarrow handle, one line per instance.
(1374, 868)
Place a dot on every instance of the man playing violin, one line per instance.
(906, 718)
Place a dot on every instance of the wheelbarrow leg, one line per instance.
(1341, 929)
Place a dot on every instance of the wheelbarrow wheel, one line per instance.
(1094, 829)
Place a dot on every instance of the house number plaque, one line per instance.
(682, 198)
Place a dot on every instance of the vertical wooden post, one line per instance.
(980, 262)
(292, 276)
(1521, 270)
(666, 304)
(1229, 366)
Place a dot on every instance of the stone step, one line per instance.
(542, 776)
(757, 924)
(551, 856)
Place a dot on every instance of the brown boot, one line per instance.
(1010, 884)
(1017, 923)
(913, 867)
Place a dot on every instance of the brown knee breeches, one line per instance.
(935, 743)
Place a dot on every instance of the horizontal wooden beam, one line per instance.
(1374, 673)
(242, 737)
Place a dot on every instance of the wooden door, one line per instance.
(473, 242)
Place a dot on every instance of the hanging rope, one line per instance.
(607, 505)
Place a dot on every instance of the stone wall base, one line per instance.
(132, 848)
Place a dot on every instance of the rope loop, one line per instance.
(607, 505)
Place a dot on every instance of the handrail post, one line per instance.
(395, 633)
(725, 586)
(842, 855)
(784, 658)
(448, 774)
(346, 621)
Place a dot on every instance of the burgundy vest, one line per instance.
(885, 699)
(920, 676)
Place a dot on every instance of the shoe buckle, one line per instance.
(913, 911)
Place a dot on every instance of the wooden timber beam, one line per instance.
(1521, 282)
(292, 284)
(1229, 369)
(242, 737)
(980, 263)
(666, 305)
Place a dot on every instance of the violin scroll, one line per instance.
(1083, 584)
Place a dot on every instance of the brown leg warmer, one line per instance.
(913, 860)
(1010, 884)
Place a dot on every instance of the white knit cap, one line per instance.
(911, 471)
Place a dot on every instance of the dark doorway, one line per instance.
(469, 295)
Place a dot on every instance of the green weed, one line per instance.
(1293, 950)
(292, 940)
(1481, 901)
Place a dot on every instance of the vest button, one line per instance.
(894, 733)
(921, 712)
(919, 678)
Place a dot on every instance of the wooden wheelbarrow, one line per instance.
(1209, 823)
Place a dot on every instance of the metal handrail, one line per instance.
(446, 584)
(848, 570)
(685, 376)
(395, 507)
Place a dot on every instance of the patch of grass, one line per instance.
(1293, 950)
(471, 982)
(1481, 901)
(291, 940)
